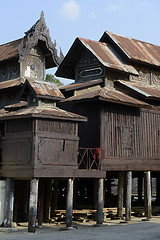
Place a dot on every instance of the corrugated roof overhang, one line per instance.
(109, 95)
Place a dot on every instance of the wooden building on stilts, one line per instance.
(117, 87)
(39, 141)
(78, 138)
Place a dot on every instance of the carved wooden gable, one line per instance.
(88, 67)
(30, 56)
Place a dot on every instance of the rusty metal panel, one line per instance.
(106, 56)
(42, 88)
(11, 83)
(9, 50)
(136, 49)
(148, 92)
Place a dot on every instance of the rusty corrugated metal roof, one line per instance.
(110, 95)
(9, 50)
(148, 92)
(106, 56)
(135, 49)
(47, 89)
(102, 51)
(11, 83)
(16, 106)
(81, 85)
(41, 112)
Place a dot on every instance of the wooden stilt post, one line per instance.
(40, 202)
(2, 200)
(9, 203)
(69, 203)
(55, 197)
(140, 183)
(120, 194)
(128, 196)
(147, 181)
(100, 201)
(26, 202)
(33, 205)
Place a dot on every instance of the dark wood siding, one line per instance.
(88, 132)
(17, 148)
(130, 138)
(56, 144)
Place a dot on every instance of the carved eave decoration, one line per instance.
(39, 31)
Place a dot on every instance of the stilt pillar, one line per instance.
(120, 194)
(69, 202)
(2, 200)
(100, 201)
(140, 184)
(55, 197)
(40, 201)
(147, 185)
(33, 205)
(9, 203)
(128, 196)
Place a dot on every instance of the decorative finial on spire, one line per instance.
(42, 15)
(38, 31)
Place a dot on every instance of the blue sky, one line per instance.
(68, 19)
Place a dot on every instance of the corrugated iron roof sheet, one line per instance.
(109, 95)
(16, 106)
(148, 92)
(41, 112)
(106, 56)
(81, 85)
(9, 50)
(136, 49)
(42, 88)
(11, 83)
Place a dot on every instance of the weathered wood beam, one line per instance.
(69, 202)
(33, 205)
(128, 196)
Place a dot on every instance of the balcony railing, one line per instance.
(89, 158)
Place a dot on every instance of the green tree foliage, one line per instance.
(53, 79)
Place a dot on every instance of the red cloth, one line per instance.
(96, 153)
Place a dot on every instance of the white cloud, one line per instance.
(115, 7)
(92, 15)
(70, 10)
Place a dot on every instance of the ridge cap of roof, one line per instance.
(131, 38)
